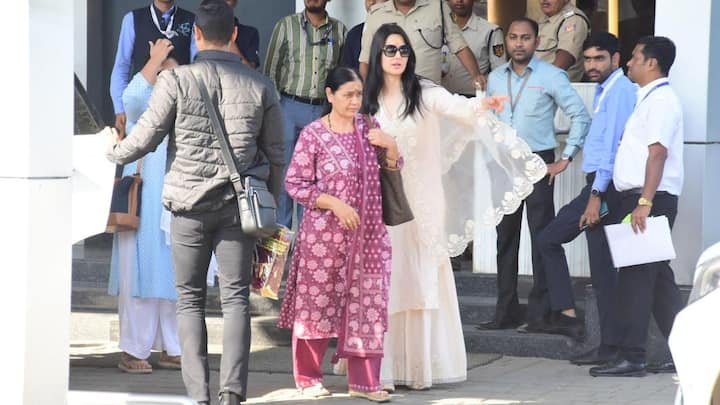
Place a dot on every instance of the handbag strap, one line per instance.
(138, 168)
(219, 132)
(371, 125)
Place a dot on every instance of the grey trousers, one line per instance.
(194, 237)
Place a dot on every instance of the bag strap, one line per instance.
(442, 23)
(219, 132)
(371, 125)
(138, 168)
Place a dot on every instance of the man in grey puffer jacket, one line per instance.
(199, 193)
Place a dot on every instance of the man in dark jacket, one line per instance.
(199, 193)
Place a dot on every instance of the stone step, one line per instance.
(97, 326)
(512, 343)
(91, 298)
(476, 309)
(485, 285)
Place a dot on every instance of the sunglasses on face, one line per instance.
(391, 50)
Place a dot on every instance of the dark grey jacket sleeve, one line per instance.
(271, 140)
(153, 124)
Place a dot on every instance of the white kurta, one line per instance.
(424, 344)
(451, 150)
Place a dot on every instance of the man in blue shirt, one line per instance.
(613, 104)
(161, 19)
(535, 89)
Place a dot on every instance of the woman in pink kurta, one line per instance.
(339, 279)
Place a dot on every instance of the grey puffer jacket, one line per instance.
(196, 178)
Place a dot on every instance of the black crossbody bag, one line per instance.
(256, 205)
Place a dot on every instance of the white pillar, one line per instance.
(696, 33)
(37, 110)
(80, 41)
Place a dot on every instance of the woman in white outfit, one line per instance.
(451, 146)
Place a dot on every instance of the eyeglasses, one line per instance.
(391, 50)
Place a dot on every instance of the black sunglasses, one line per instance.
(391, 50)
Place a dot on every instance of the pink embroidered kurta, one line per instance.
(339, 279)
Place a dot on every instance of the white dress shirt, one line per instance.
(658, 118)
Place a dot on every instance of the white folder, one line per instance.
(629, 249)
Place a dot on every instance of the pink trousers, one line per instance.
(363, 372)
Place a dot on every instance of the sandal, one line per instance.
(389, 388)
(375, 396)
(315, 391)
(169, 362)
(132, 365)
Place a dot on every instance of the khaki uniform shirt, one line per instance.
(424, 28)
(487, 44)
(573, 29)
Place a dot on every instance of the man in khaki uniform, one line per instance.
(484, 39)
(428, 24)
(562, 33)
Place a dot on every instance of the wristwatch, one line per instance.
(567, 157)
(644, 202)
(596, 193)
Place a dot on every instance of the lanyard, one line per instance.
(513, 103)
(657, 86)
(606, 90)
(168, 32)
(325, 39)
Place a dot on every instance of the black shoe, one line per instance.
(619, 368)
(567, 326)
(230, 398)
(666, 367)
(593, 358)
(494, 325)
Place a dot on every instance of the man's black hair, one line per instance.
(216, 21)
(661, 49)
(533, 24)
(603, 41)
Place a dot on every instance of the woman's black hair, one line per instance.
(336, 77)
(375, 78)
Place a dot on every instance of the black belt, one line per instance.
(638, 191)
(305, 100)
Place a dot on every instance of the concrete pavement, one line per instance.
(492, 379)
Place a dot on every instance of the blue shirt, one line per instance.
(608, 124)
(547, 88)
(123, 58)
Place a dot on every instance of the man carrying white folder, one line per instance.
(648, 174)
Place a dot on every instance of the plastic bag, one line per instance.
(271, 254)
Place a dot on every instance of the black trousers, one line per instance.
(565, 228)
(540, 211)
(194, 237)
(645, 290)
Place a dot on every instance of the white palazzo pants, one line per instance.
(145, 323)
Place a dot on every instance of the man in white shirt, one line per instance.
(648, 175)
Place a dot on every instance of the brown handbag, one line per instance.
(395, 206)
(125, 203)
